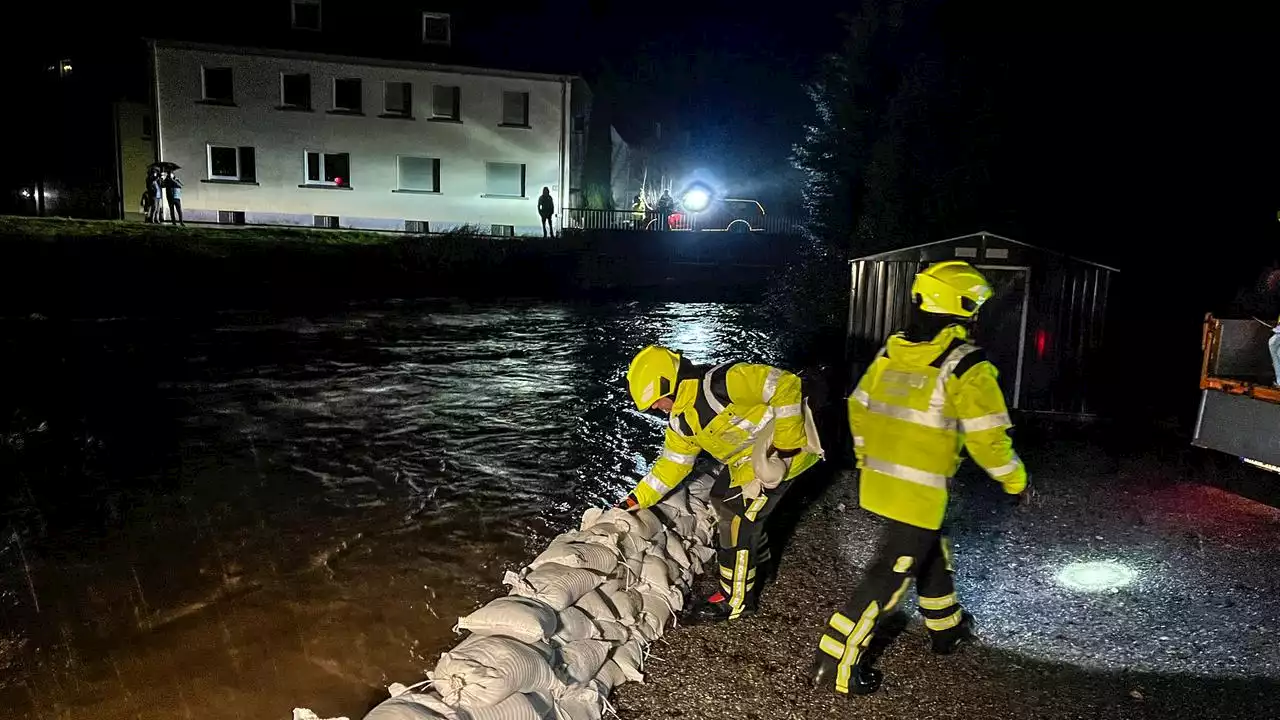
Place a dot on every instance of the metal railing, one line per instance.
(590, 219)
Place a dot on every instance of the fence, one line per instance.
(588, 219)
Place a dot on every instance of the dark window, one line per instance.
(503, 230)
(435, 29)
(326, 221)
(295, 91)
(504, 179)
(446, 102)
(148, 127)
(224, 163)
(399, 99)
(347, 94)
(579, 123)
(418, 227)
(218, 85)
(306, 14)
(231, 217)
(248, 165)
(515, 109)
(420, 173)
(328, 169)
(229, 163)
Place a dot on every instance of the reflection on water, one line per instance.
(235, 520)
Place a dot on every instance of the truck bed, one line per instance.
(1239, 405)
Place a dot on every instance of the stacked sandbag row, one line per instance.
(577, 621)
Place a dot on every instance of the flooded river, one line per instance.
(259, 513)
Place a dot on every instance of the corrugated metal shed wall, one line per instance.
(1063, 332)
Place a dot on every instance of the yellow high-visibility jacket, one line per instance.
(912, 412)
(720, 410)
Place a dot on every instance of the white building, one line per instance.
(274, 137)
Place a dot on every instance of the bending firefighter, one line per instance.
(753, 419)
(928, 393)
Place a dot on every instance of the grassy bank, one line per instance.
(73, 267)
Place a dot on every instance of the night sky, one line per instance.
(1144, 140)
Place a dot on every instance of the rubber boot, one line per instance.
(717, 609)
(864, 679)
(947, 642)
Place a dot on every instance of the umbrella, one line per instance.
(165, 166)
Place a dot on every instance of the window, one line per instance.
(329, 169)
(326, 221)
(232, 163)
(435, 29)
(419, 174)
(148, 127)
(417, 227)
(347, 95)
(295, 91)
(446, 102)
(306, 14)
(231, 217)
(504, 180)
(515, 109)
(398, 99)
(502, 230)
(218, 85)
(579, 123)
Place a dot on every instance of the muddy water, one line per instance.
(261, 513)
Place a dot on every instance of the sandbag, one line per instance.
(575, 554)
(700, 486)
(412, 706)
(575, 624)
(604, 533)
(485, 670)
(597, 606)
(582, 702)
(525, 619)
(625, 603)
(530, 706)
(553, 584)
(657, 570)
(581, 660)
(630, 660)
(610, 676)
(644, 527)
(649, 520)
(676, 503)
(676, 550)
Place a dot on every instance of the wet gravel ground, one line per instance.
(1195, 632)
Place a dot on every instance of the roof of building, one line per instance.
(980, 235)
(358, 60)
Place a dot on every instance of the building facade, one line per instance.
(294, 138)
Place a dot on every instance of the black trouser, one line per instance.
(905, 552)
(547, 228)
(175, 210)
(743, 543)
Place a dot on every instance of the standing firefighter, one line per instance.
(753, 419)
(928, 393)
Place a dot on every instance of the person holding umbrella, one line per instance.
(173, 191)
(154, 209)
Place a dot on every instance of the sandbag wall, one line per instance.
(577, 622)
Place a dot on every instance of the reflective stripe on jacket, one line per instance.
(912, 412)
(720, 410)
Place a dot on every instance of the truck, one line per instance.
(1239, 401)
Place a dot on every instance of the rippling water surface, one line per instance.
(232, 520)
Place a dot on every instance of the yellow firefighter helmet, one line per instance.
(953, 287)
(652, 375)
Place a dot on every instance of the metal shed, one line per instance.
(1044, 329)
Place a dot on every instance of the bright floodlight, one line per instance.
(1100, 576)
(696, 198)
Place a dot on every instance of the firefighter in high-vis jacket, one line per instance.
(754, 420)
(928, 393)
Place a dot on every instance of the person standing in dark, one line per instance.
(666, 206)
(173, 189)
(155, 213)
(546, 210)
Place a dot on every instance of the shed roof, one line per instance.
(980, 235)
